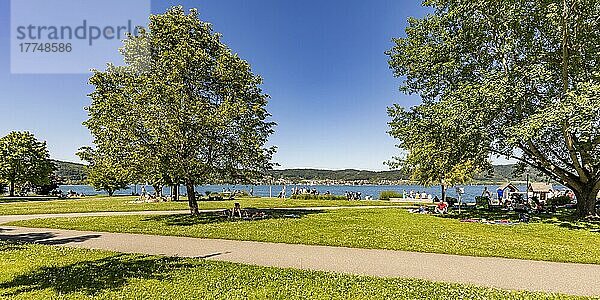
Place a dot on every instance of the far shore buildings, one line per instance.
(541, 191)
(504, 191)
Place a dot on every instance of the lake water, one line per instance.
(471, 191)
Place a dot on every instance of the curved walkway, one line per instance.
(575, 279)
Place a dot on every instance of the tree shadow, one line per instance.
(94, 277)
(46, 238)
(248, 214)
(11, 245)
(8, 200)
(565, 218)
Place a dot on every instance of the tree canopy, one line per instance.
(24, 161)
(522, 75)
(439, 148)
(103, 172)
(183, 109)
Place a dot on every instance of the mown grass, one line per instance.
(393, 229)
(100, 204)
(30, 271)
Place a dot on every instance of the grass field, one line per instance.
(98, 204)
(45, 272)
(394, 229)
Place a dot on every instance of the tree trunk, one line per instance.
(11, 190)
(110, 193)
(443, 193)
(191, 193)
(586, 202)
(157, 190)
(175, 192)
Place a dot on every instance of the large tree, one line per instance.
(524, 73)
(105, 172)
(437, 148)
(24, 161)
(183, 109)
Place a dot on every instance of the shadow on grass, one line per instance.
(565, 218)
(8, 200)
(248, 214)
(94, 277)
(11, 246)
(46, 238)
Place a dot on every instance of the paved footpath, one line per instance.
(576, 279)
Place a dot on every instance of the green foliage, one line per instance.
(46, 189)
(317, 197)
(386, 195)
(439, 150)
(482, 202)
(105, 172)
(513, 79)
(30, 271)
(183, 109)
(389, 228)
(559, 201)
(24, 161)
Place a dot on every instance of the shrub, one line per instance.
(214, 197)
(482, 202)
(317, 197)
(451, 201)
(386, 195)
(559, 201)
(3, 187)
(244, 194)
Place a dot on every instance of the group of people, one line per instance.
(441, 208)
(353, 195)
(416, 195)
(306, 191)
(146, 197)
(313, 191)
(69, 194)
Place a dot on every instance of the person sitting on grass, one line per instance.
(441, 208)
(237, 210)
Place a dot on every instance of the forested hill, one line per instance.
(500, 173)
(70, 173)
(347, 175)
(74, 173)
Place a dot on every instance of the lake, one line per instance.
(471, 191)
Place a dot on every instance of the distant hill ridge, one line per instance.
(74, 173)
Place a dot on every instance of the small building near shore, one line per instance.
(541, 191)
(505, 191)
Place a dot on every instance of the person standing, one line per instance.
(486, 193)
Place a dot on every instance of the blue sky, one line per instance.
(323, 64)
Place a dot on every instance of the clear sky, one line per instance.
(323, 64)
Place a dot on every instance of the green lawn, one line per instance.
(98, 204)
(45, 272)
(394, 229)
